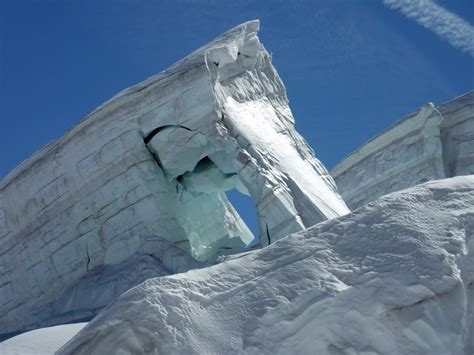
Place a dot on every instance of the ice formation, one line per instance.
(150, 167)
(432, 143)
(394, 277)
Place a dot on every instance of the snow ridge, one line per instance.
(393, 277)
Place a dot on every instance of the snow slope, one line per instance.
(394, 277)
(43, 341)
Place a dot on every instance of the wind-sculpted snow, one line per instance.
(155, 162)
(394, 277)
(432, 143)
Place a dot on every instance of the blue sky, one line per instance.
(351, 68)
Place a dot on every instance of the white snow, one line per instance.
(394, 277)
(44, 341)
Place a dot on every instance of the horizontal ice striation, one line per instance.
(432, 143)
(155, 162)
(394, 277)
(103, 283)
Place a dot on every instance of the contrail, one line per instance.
(448, 26)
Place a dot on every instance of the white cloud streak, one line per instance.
(446, 25)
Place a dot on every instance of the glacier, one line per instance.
(395, 276)
(137, 188)
(434, 142)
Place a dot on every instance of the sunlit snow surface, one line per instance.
(43, 341)
(394, 277)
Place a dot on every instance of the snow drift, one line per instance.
(394, 277)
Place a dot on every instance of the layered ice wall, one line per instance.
(137, 188)
(432, 143)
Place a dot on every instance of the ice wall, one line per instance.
(431, 143)
(153, 163)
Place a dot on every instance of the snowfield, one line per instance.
(394, 277)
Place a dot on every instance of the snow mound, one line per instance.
(394, 277)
